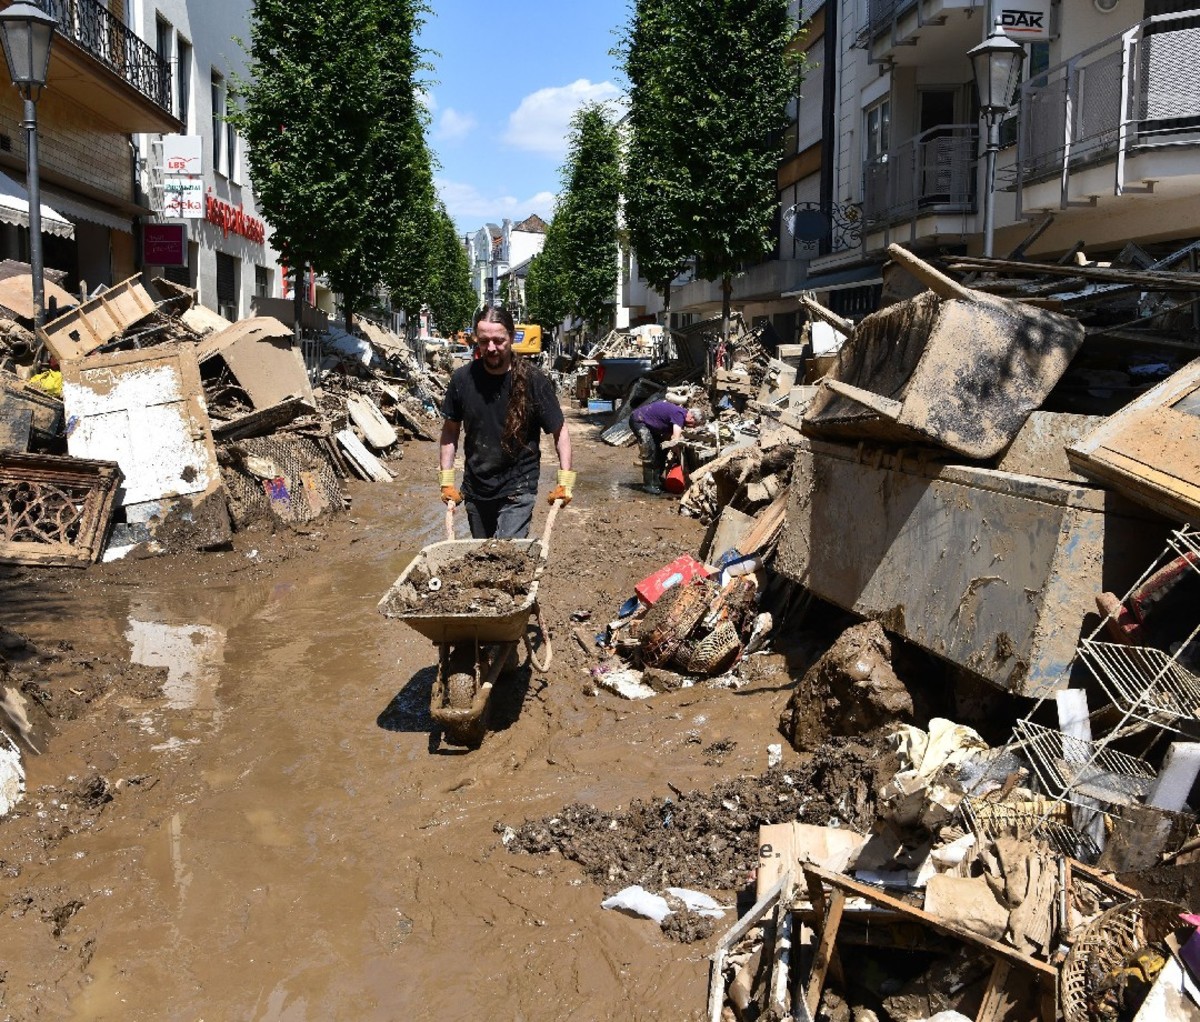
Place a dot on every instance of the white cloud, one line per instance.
(453, 126)
(427, 99)
(541, 120)
(471, 208)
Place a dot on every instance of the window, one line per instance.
(227, 286)
(218, 116)
(162, 39)
(183, 79)
(877, 124)
(262, 281)
(231, 146)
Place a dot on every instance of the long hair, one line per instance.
(516, 418)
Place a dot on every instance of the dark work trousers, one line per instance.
(503, 518)
(652, 452)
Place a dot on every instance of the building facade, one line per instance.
(229, 259)
(105, 83)
(494, 250)
(885, 144)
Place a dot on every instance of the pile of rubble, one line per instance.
(132, 421)
(998, 471)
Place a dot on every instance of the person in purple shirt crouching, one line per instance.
(655, 424)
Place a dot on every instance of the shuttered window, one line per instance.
(227, 285)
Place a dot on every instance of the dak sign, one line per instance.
(1027, 21)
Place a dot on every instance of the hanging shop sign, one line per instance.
(1026, 21)
(164, 244)
(183, 198)
(233, 219)
(182, 154)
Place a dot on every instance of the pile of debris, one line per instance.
(133, 422)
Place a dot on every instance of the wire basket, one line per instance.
(1105, 944)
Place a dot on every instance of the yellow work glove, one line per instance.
(450, 492)
(566, 480)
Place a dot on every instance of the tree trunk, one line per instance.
(666, 316)
(349, 320)
(726, 295)
(298, 298)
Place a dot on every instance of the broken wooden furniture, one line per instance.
(263, 359)
(28, 416)
(96, 322)
(1010, 969)
(144, 409)
(1150, 449)
(55, 510)
(954, 367)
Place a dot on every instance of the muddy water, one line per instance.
(308, 855)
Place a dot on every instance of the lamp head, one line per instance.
(996, 63)
(26, 32)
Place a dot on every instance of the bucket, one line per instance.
(673, 481)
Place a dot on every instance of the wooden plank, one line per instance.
(829, 925)
(766, 527)
(996, 1000)
(370, 466)
(1042, 970)
(716, 980)
(365, 414)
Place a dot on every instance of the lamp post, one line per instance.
(996, 63)
(26, 32)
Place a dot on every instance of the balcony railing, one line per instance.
(934, 172)
(92, 28)
(1134, 91)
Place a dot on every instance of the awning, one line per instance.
(14, 209)
(92, 212)
(840, 280)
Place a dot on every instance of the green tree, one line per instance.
(587, 215)
(451, 298)
(547, 299)
(650, 182)
(336, 140)
(710, 82)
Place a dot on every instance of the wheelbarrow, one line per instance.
(476, 648)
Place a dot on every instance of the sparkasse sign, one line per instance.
(1027, 21)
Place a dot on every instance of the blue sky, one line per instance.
(507, 77)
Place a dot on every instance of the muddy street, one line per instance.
(272, 836)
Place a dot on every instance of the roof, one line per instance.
(532, 224)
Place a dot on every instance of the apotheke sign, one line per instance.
(1026, 21)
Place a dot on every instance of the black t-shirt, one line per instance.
(479, 400)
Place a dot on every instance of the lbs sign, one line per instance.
(1026, 21)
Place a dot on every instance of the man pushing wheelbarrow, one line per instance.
(505, 404)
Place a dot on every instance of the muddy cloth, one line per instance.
(479, 400)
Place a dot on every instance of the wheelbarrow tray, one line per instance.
(481, 626)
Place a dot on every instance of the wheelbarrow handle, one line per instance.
(554, 509)
(449, 519)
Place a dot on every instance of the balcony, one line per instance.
(106, 68)
(915, 33)
(1122, 117)
(931, 174)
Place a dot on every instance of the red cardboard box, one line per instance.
(679, 570)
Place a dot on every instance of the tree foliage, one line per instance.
(547, 299)
(451, 296)
(586, 217)
(710, 82)
(336, 139)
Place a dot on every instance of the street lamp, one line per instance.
(26, 32)
(996, 63)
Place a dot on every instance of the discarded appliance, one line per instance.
(261, 354)
(993, 572)
(96, 322)
(907, 375)
(145, 410)
(55, 510)
(1150, 449)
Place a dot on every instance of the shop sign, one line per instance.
(183, 198)
(164, 244)
(182, 154)
(1026, 21)
(233, 219)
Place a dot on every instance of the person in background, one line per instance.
(506, 405)
(655, 424)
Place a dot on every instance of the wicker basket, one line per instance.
(713, 653)
(670, 621)
(1103, 945)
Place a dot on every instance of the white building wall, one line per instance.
(524, 245)
(211, 28)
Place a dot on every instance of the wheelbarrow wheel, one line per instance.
(460, 690)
